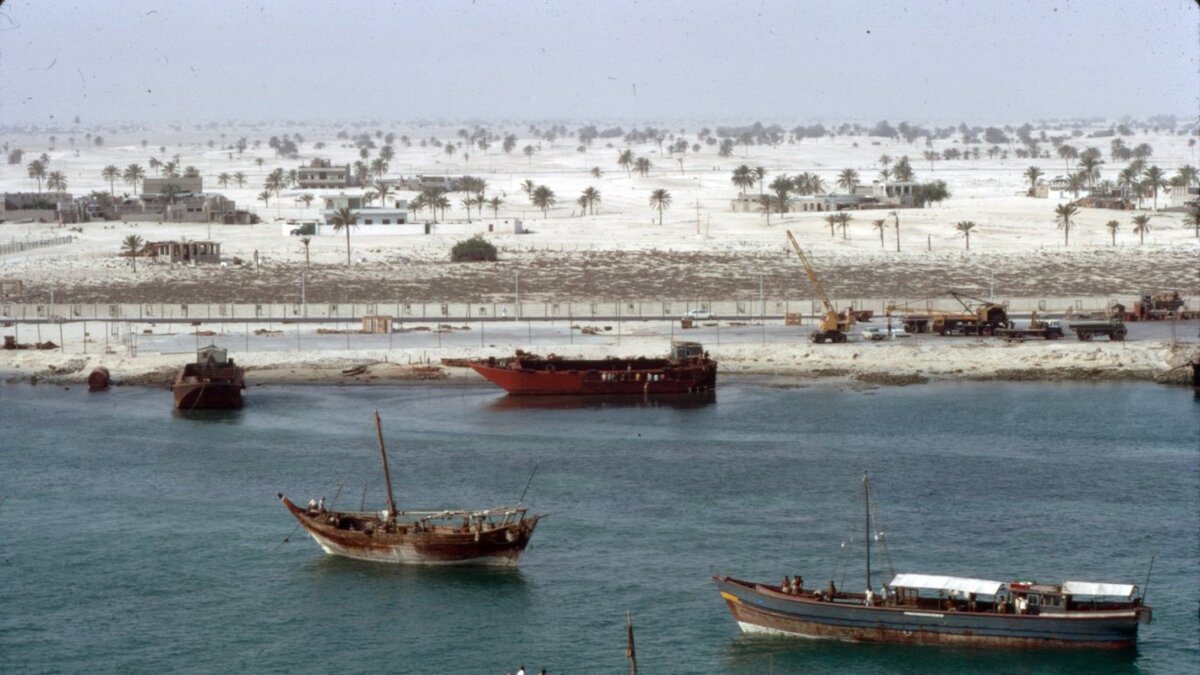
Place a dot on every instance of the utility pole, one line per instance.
(517, 286)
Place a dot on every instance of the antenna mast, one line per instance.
(867, 524)
(387, 477)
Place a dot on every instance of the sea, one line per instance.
(136, 539)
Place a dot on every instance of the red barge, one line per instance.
(688, 369)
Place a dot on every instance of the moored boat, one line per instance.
(496, 536)
(944, 610)
(688, 369)
(213, 381)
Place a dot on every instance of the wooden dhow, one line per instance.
(495, 536)
(943, 610)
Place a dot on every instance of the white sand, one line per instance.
(988, 192)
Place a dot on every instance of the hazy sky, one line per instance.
(791, 61)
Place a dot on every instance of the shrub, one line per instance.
(475, 249)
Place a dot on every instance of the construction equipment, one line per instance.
(986, 318)
(1159, 306)
(1049, 329)
(833, 326)
(1085, 330)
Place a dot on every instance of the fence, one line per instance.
(18, 246)
(732, 309)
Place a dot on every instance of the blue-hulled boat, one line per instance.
(935, 609)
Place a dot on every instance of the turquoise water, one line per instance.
(136, 540)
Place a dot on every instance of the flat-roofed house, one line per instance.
(322, 174)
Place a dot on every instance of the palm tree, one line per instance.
(596, 172)
(642, 166)
(660, 199)
(843, 221)
(265, 196)
(528, 186)
(239, 178)
(133, 175)
(529, 150)
(591, 195)
(848, 179)
(56, 181)
(306, 241)
(743, 178)
(467, 202)
(543, 198)
(1187, 175)
(782, 186)
(1075, 183)
(768, 203)
(133, 245)
(1063, 213)
(154, 163)
(383, 190)
(896, 214)
(1155, 178)
(37, 171)
(880, 225)
(344, 219)
(223, 180)
(1194, 216)
(1129, 178)
(440, 202)
(306, 199)
(625, 161)
(1141, 225)
(964, 228)
(903, 171)
(1113, 226)
(111, 173)
(832, 221)
(760, 172)
(495, 203)
(1032, 174)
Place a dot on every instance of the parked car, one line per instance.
(698, 314)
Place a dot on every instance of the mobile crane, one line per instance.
(833, 326)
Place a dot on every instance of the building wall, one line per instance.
(156, 186)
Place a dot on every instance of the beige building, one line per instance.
(321, 174)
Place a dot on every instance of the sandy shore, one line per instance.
(699, 247)
(887, 363)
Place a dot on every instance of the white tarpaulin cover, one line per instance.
(1092, 588)
(935, 582)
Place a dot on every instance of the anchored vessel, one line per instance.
(496, 536)
(688, 369)
(934, 609)
(212, 382)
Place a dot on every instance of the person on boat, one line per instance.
(786, 586)
(869, 598)
(832, 590)
(321, 505)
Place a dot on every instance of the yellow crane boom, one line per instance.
(812, 275)
(833, 327)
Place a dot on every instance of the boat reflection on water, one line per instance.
(581, 402)
(212, 416)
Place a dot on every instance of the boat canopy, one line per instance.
(1092, 588)
(936, 582)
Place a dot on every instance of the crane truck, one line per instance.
(833, 326)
